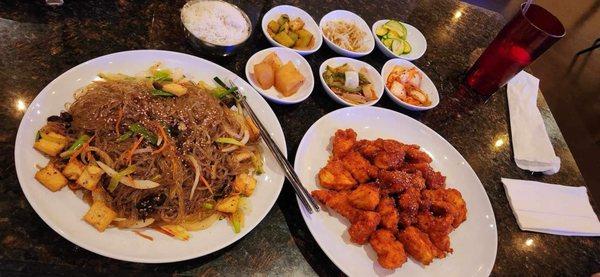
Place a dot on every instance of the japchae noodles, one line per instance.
(154, 150)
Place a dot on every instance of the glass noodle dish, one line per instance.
(350, 84)
(154, 150)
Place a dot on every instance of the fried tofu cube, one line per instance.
(90, 177)
(229, 204)
(48, 147)
(51, 178)
(175, 89)
(73, 169)
(100, 216)
(54, 137)
(244, 184)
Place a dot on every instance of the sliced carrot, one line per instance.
(119, 118)
(162, 133)
(139, 233)
(81, 149)
(206, 184)
(135, 146)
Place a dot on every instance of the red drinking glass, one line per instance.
(524, 38)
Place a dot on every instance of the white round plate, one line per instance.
(63, 210)
(349, 17)
(285, 54)
(427, 85)
(474, 242)
(413, 36)
(373, 76)
(293, 12)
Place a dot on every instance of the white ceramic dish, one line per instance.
(293, 12)
(427, 85)
(373, 76)
(285, 54)
(63, 210)
(474, 241)
(413, 36)
(348, 16)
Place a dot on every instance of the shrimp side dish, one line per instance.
(405, 84)
(392, 197)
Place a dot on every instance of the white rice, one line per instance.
(215, 22)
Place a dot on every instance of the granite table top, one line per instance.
(41, 42)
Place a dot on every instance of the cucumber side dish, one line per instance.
(393, 35)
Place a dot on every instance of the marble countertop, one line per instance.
(38, 43)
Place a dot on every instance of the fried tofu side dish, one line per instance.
(392, 197)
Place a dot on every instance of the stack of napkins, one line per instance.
(552, 209)
(531, 145)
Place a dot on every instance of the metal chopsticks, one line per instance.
(307, 200)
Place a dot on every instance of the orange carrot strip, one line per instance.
(135, 146)
(206, 184)
(83, 147)
(165, 140)
(139, 233)
(119, 118)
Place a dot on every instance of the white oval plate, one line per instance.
(293, 12)
(63, 210)
(413, 36)
(427, 85)
(373, 76)
(285, 54)
(348, 16)
(474, 242)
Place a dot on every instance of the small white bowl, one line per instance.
(347, 16)
(413, 36)
(285, 54)
(293, 12)
(427, 85)
(372, 74)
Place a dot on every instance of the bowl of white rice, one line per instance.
(215, 27)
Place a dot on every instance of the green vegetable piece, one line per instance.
(393, 34)
(304, 38)
(284, 18)
(273, 26)
(381, 31)
(124, 136)
(407, 47)
(162, 76)
(159, 92)
(78, 142)
(114, 181)
(37, 136)
(397, 46)
(136, 128)
(387, 42)
(208, 206)
(397, 27)
(293, 36)
(283, 39)
(229, 141)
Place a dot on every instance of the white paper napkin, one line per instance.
(531, 144)
(552, 209)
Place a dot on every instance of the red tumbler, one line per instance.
(524, 38)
